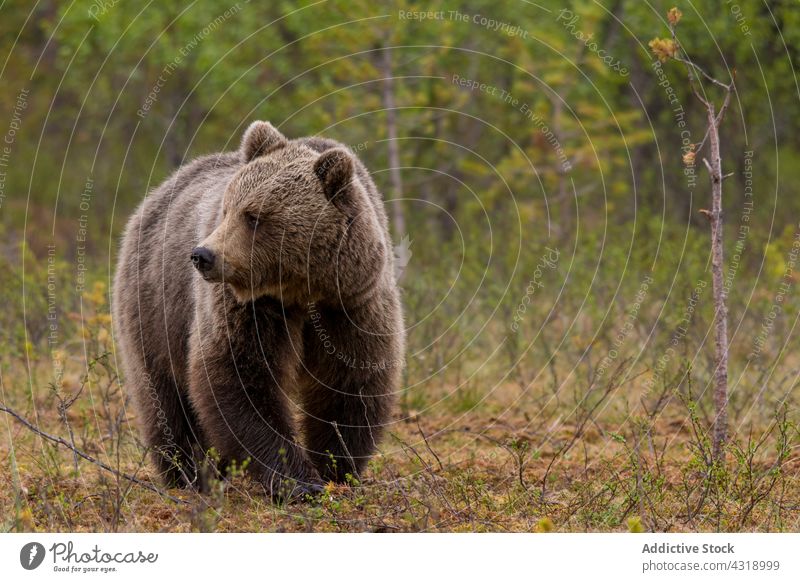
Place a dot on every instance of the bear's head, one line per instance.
(296, 225)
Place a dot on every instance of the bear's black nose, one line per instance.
(202, 259)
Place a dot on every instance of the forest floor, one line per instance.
(479, 466)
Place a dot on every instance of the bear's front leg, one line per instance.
(240, 365)
(351, 370)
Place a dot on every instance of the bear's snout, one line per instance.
(203, 260)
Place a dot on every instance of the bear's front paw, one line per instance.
(311, 492)
(286, 490)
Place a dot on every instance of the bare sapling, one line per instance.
(699, 79)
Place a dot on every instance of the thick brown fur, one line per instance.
(302, 300)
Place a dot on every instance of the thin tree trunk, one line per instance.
(720, 295)
(398, 217)
(696, 75)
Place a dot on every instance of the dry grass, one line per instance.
(557, 446)
(516, 462)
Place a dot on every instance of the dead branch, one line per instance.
(60, 441)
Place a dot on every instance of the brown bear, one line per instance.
(283, 343)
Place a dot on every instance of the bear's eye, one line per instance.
(252, 219)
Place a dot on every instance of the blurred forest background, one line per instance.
(557, 279)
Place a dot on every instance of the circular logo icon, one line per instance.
(31, 555)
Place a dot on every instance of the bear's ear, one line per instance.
(334, 168)
(260, 138)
